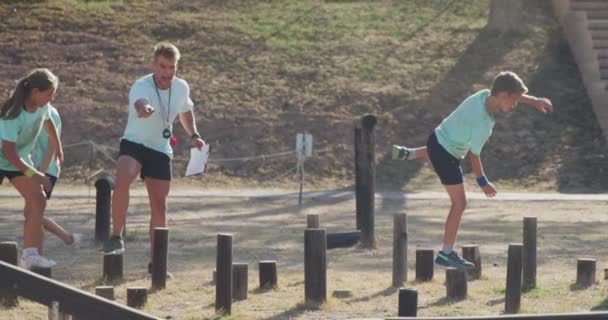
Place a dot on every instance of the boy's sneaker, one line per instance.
(114, 245)
(453, 260)
(36, 261)
(400, 153)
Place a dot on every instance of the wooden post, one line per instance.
(605, 273)
(315, 265)
(313, 221)
(8, 254)
(137, 297)
(268, 274)
(159, 260)
(112, 267)
(214, 277)
(105, 291)
(585, 272)
(399, 249)
(365, 177)
(239, 281)
(408, 302)
(514, 268)
(223, 285)
(456, 284)
(425, 264)
(471, 253)
(103, 207)
(529, 254)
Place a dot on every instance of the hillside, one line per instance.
(261, 71)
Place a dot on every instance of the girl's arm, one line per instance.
(543, 105)
(10, 154)
(54, 140)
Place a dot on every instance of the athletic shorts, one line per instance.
(53, 182)
(446, 166)
(9, 175)
(154, 164)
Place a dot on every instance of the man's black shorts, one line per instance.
(154, 164)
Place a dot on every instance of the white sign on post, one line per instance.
(304, 144)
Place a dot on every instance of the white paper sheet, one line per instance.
(198, 160)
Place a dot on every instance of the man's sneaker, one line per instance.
(400, 153)
(114, 245)
(169, 274)
(36, 261)
(453, 260)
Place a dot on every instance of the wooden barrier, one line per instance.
(514, 267)
(471, 253)
(425, 264)
(399, 249)
(223, 285)
(71, 301)
(239, 281)
(268, 274)
(365, 177)
(103, 207)
(315, 265)
(529, 254)
(160, 258)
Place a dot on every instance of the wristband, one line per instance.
(482, 181)
(29, 172)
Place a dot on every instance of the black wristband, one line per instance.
(195, 135)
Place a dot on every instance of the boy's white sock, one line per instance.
(447, 249)
(30, 252)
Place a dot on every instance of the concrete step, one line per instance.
(599, 34)
(600, 44)
(603, 62)
(602, 53)
(588, 5)
(598, 25)
(604, 73)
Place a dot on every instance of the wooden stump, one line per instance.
(268, 274)
(425, 264)
(105, 291)
(408, 302)
(112, 267)
(399, 249)
(137, 297)
(315, 265)
(605, 273)
(514, 269)
(585, 272)
(103, 207)
(529, 254)
(471, 253)
(239, 281)
(456, 284)
(313, 221)
(160, 258)
(8, 296)
(223, 286)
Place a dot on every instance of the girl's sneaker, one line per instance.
(400, 152)
(39, 261)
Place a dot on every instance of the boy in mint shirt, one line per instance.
(465, 131)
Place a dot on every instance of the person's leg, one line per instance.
(127, 169)
(458, 201)
(158, 191)
(54, 228)
(405, 153)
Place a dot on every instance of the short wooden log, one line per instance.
(425, 264)
(8, 296)
(408, 302)
(585, 272)
(268, 274)
(160, 258)
(471, 253)
(313, 221)
(105, 291)
(342, 293)
(239, 281)
(223, 286)
(529, 254)
(344, 239)
(137, 297)
(399, 249)
(315, 265)
(456, 284)
(112, 267)
(514, 269)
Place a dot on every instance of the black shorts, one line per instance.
(446, 166)
(154, 164)
(9, 175)
(53, 182)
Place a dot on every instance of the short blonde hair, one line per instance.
(166, 50)
(509, 82)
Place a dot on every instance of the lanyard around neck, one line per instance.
(160, 102)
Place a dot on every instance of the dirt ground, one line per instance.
(273, 228)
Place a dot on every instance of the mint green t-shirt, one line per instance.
(467, 127)
(149, 131)
(42, 145)
(23, 131)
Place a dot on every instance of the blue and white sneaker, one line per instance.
(453, 260)
(400, 152)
